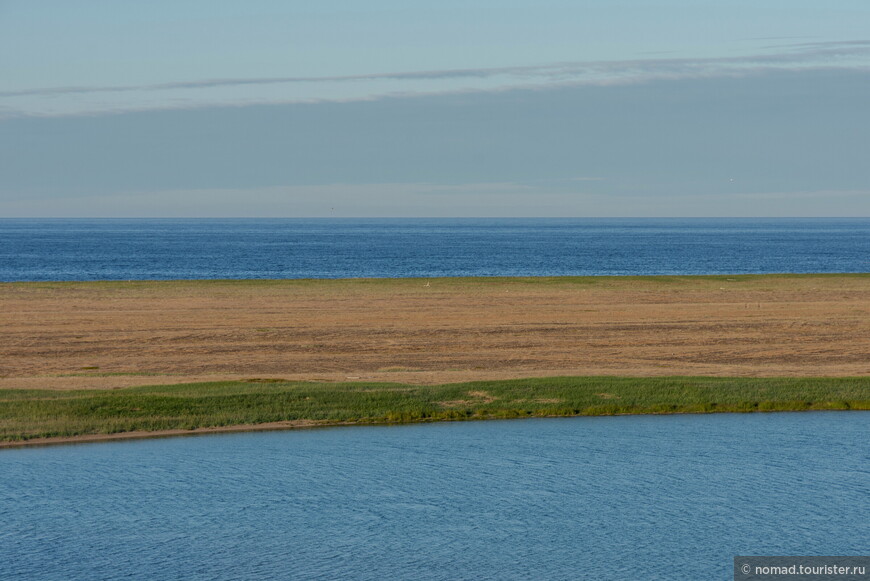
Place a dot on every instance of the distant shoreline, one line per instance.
(567, 278)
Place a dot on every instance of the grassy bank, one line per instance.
(137, 288)
(30, 414)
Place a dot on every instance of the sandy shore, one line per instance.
(110, 335)
(138, 435)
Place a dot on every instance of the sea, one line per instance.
(139, 249)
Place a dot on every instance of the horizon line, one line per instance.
(838, 217)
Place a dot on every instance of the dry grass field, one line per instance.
(105, 335)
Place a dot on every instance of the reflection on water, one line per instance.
(644, 497)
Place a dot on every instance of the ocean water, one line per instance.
(351, 248)
(610, 498)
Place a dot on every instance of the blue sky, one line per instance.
(388, 108)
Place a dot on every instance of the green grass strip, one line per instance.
(28, 414)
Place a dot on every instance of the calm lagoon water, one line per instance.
(351, 248)
(643, 497)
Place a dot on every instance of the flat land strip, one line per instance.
(107, 335)
(94, 360)
(53, 416)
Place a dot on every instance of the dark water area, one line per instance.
(120, 249)
(611, 498)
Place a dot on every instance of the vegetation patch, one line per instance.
(29, 414)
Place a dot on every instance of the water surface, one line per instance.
(642, 497)
(352, 248)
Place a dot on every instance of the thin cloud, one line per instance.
(811, 52)
(90, 100)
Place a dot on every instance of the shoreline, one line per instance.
(312, 424)
(472, 279)
(143, 435)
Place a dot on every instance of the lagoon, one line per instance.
(639, 497)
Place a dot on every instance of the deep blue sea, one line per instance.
(634, 498)
(122, 249)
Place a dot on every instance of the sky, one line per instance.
(339, 108)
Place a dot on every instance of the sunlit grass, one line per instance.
(27, 414)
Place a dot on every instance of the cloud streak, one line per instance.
(88, 100)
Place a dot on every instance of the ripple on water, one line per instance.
(647, 497)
